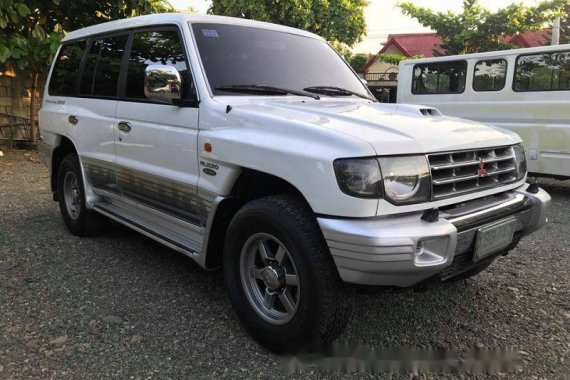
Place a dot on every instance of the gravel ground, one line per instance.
(122, 306)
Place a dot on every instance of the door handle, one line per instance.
(124, 126)
(73, 119)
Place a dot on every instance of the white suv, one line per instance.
(255, 147)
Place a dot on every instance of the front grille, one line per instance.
(458, 173)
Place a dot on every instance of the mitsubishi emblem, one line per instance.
(482, 172)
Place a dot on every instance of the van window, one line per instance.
(490, 75)
(64, 77)
(155, 48)
(102, 67)
(439, 78)
(543, 72)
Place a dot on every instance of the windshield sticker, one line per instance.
(210, 33)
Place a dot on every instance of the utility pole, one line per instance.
(556, 31)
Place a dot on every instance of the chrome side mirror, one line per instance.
(162, 83)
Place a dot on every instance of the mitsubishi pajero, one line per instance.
(256, 148)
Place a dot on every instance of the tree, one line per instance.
(357, 61)
(565, 25)
(30, 30)
(476, 29)
(395, 59)
(75, 14)
(334, 20)
(342, 49)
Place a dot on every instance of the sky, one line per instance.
(382, 17)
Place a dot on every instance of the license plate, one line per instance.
(492, 238)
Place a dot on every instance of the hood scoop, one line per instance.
(429, 112)
(412, 109)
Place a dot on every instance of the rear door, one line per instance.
(94, 109)
(156, 149)
(81, 101)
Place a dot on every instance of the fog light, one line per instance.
(431, 251)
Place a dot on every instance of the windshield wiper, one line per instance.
(262, 89)
(335, 91)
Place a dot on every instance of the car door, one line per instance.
(90, 82)
(156, 142)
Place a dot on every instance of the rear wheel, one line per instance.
(281, 277)
(79, 220)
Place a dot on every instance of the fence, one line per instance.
(15, 129)
(15, 97)
(371, 77)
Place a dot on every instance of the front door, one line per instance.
(156, 143)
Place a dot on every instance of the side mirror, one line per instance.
(162, 83)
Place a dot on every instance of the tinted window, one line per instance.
(86, 86)
(238, 55)
(543, 72)
(490, 75)
(102, 67)
(155, 48)
(64, 77)
(439, 78)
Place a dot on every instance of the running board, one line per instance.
(151, 230)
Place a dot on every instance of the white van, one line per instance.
(524, 90)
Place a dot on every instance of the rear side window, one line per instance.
(439, 78)
(86, 86)
(155, 48)
(102, 67)
(64, 77)
(543, 72)
(490, 75)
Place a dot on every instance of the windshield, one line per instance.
(238, 55)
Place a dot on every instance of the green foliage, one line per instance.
(565, 25)
(23, 42)
(75, 14)
(334, 20)
(395, 59)
(342, 49)
(30, 30)
(476, 29)
(357, 61)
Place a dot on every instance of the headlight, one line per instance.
(359, 177)
(520, 158)
(406, 179)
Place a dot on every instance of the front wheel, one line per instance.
(281, 277)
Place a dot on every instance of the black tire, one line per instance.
(84, 222)
(324, 302)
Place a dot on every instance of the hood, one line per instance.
(390, 128)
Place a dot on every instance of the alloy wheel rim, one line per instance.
(72, 195)
(270, 278)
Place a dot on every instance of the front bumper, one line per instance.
(405, 250)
